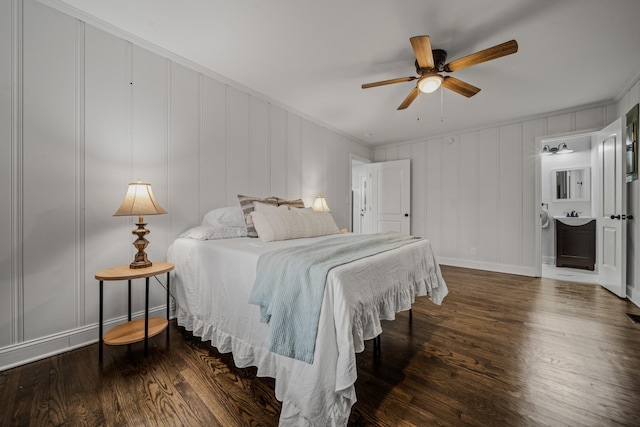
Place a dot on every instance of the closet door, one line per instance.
(390, 184)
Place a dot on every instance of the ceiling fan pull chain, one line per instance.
(441, 105)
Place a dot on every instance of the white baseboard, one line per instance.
(498, 268)
(41, 348)
(634, 296)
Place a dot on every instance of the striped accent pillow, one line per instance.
(292, 203)
(246, 204)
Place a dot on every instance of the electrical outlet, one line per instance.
(473, 251)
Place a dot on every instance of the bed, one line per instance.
(213, 281)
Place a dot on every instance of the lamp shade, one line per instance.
(320, 204)
(139, 200)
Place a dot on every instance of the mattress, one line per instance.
(212, 282)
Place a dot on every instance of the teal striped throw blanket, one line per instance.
(290, 282)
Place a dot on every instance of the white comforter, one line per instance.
(213, 280)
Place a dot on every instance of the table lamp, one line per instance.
(320, 204)
(139, 201)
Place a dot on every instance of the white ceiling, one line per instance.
(313, 55)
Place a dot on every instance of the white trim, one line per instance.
(489, 266)
(17, 276)
(41, 348)
(633, 296)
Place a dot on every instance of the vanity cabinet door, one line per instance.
(576, 245)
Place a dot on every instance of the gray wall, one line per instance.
(82, 114)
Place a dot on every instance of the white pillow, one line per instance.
(230, 216)
(280, 224)
(209, 232)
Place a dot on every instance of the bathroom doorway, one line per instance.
(568, 171)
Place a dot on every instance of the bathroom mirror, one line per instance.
(572, 184)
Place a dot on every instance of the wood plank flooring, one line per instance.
(502, 350)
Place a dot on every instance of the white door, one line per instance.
(360, 201)
(390, 191)
(612, 232)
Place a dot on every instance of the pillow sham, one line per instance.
(229, 216)
(209, 232)
(292, 203)
(259, 206)
(246, 204)
(274, 225)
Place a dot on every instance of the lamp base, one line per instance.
(140, 260)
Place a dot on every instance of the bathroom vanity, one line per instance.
(575, 242)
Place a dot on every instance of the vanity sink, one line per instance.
(574, 220)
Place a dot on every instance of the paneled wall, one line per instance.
(474, 192)
(84, 112)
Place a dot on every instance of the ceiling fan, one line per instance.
(430, 63)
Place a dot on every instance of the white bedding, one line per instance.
(213, 280)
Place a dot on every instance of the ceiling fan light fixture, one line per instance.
(429, 83)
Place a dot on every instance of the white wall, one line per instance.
(474, 191)
(83, 113)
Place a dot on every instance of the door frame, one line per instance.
(540, 141)
(353, 157)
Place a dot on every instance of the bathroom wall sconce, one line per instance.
(560, 149)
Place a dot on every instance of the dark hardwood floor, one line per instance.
(502, 350)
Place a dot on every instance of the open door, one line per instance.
(390, 196)
(612, 230)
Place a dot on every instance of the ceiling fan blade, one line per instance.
(495, 52)
(410, 98)
(459, 86)
(422, 48)
(388, 82)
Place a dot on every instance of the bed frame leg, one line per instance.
(410, 316)
(376, 346)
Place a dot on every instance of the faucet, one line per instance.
(572, 214)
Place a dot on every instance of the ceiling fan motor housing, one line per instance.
(439, 60)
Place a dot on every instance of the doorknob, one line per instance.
(406, 215)
(627, 216)
(615, 217)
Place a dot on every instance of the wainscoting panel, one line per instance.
(278, 154)
(49, 171)
(259, 142)
(214, 152)
(294, 156)
(530, 211)
(7, 159)
(488, 195)
(150, 157)
(107, 166)
(418, 193)
(184, 146)
(450, 197)
(312, 151)
(510, 207)
(239, 160)
(434, 193)
(468, 235)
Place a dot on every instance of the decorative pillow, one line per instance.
(259, 206)
(209, 232)
(283, 224)
(230, 216)
(246, 204)
(297, 203)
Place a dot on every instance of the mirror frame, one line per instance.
(586, 184)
